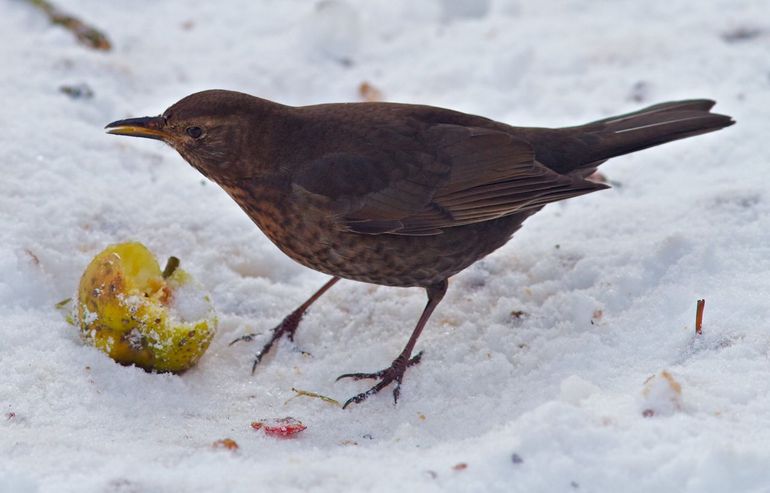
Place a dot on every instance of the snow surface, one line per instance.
(543, 350)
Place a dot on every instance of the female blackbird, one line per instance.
(395, 194)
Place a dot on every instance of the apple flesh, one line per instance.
(131, 311)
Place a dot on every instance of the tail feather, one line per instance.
(589, 145)
(688, 104)
(640, 132)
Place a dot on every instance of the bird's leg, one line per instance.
(288, 325)
(395, 372)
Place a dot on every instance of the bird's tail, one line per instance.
(649, 127)
(654, 126)
(585, 147)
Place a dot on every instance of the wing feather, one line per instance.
(446, 176)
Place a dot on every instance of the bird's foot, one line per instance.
(394, 373)
(287, 327)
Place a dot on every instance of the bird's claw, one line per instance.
(361, 376)
(257, 359)
(287, 327)
(394, 373)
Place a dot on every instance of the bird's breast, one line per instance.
(314, 239)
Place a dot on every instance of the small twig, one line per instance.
(86, 34)
(699, 317)
(306, 393)
(171, 265)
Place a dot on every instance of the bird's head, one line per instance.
(212, 130)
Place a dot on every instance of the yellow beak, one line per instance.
(148, 127)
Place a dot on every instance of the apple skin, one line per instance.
(127, 309)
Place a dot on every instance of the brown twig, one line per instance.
(87, 35)
(699, 317)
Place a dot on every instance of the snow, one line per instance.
(191, 302)
(544, 349)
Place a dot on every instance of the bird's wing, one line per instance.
(422, 183)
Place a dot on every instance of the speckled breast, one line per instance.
(313, 239)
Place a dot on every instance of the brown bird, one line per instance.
(395, 194)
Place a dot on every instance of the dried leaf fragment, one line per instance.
(742, 33)
(662, 395)
(77, 91)
(225, 443)
(314, 395)
(63, 304)
(35, 259)
(369, 93)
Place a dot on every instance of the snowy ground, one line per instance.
(607, 283)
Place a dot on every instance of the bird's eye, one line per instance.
(194, 132)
